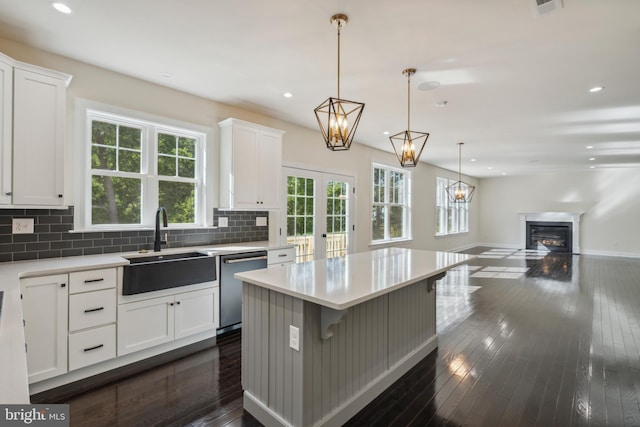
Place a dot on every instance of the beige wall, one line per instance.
(609, 198)
(302, 146)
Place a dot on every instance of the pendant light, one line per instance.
(460, 192)
(338, 118)
(405, 143)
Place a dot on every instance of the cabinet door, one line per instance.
(196, 312)
(45, 307)
(145, 324)
(39, 110)
(6, 114)
(246, 167)
(270, 157)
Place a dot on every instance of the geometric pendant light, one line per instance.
(338, 118)
(409, 144)
(460, 192)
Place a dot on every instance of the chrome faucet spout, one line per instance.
(158, 242)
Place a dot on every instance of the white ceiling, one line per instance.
(516, 83)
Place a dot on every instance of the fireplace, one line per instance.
(554, 231)
(553, 236)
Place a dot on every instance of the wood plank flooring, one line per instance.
(555, 345)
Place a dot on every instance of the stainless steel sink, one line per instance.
(164, 271)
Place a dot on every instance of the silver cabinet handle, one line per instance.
(255, 258)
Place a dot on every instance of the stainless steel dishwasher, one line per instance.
(231, 288)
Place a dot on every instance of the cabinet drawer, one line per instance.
(92, 346)
(281, 256)
(92, 309)
(92, 280)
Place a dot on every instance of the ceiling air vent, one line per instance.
(542, 7)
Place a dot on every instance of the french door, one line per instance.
(319, 213)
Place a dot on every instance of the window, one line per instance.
(390, 211)
(451, 218)
(135, 166)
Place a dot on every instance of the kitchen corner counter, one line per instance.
(14, 387)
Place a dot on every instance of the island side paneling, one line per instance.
(328, 381)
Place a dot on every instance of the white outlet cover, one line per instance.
(22, 225)
(223, 221)
(261, 221)
(294, 338)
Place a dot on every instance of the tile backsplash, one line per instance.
(52, 237)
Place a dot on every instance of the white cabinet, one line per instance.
(32, 128)
(147, 323)
(45, 308)
(196, 312)
(6, 115)
(281, 256)
(250, 165)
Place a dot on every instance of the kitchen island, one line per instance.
(322, 339)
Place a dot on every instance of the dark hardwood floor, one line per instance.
(523, 340)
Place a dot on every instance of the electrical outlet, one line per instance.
(22, 225)
(294, 338)
(223, 221)
(261, 221)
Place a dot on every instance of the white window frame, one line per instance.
(151, 126)
(446, 207)
(406, 233)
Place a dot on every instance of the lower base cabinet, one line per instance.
(92, 346)
(45, 309)
(155, 321)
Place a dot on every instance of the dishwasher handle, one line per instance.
(253, 258)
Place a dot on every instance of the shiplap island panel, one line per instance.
(363, 320)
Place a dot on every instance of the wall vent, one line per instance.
(542, 7)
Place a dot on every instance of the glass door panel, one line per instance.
(319, 214)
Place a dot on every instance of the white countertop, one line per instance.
(14, 388)
(343, 282)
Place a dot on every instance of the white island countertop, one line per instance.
(343, 282)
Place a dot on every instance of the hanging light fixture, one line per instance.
(460, 192)
(406, 143)
(339, 118)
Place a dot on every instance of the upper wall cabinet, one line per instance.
(6, 120)
(33, 148)
(250, 165)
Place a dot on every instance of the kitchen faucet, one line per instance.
(158, 242)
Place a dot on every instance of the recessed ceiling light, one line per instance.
(386, 132)
(589, 147)
(166, 75)
(490, 168)
(288, 95)
(473, 160)
(60, 7)
(592, 167)
(429, 85)
(504, 173)
(442, 103)
(592, 158)
(596, 89)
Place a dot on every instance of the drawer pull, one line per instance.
(281, 255)
(94, 280)
(94, 348)
(91, 310)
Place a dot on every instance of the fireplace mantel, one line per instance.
(573, 217)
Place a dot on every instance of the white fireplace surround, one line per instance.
(572, 217)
